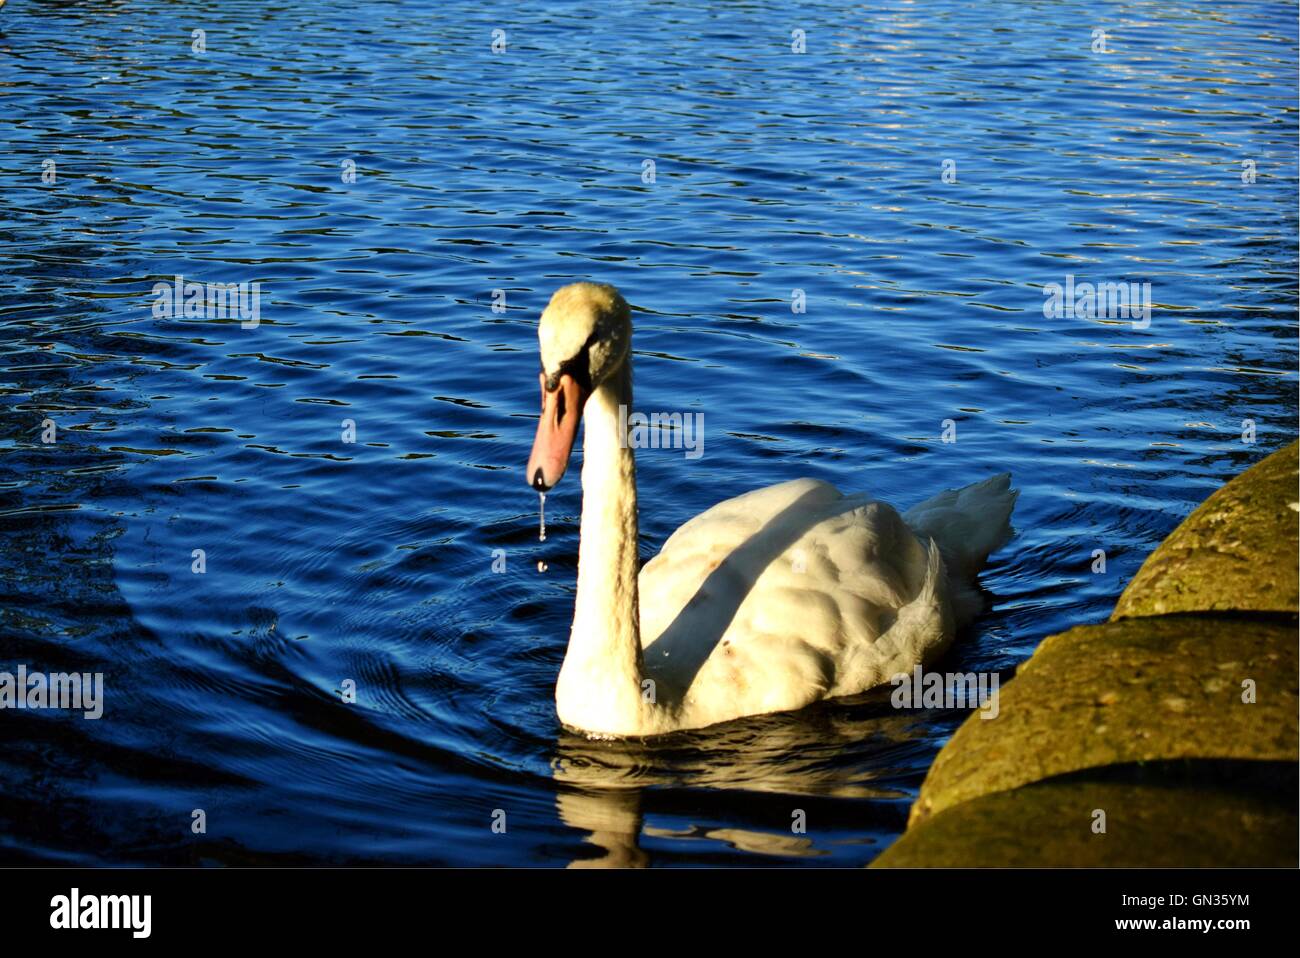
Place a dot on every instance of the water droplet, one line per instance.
(541, 534)
(541, 566)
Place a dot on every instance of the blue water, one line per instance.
(369, 565)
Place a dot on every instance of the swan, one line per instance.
(767, 602)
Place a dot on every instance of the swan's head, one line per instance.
(584, 335)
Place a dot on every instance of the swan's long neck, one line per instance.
(599, 688)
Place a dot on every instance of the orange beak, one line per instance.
(556, 430)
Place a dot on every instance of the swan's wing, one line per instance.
(783, 594)
(702, 546)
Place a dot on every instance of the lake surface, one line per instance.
(334, 567)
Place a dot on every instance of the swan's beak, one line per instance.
(556, 430)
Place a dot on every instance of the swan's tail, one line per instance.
(967, 524)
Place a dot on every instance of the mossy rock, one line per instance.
(1237, 551)
(1138, 690)
(1147, 824)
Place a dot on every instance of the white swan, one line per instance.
(764, 603)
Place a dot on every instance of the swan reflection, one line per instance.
(739, 786)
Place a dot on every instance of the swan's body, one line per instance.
(766, 602)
